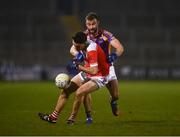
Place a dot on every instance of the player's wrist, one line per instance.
(117, 54)
(112, 57)
(75, 53)
(80, 67)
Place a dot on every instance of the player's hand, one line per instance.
(72, 65)
(112, 57)
(72, 68)
(80, 57)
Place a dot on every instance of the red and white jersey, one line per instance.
(95, 56)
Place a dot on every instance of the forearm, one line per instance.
(89, 70)
(118, 47)
(119, 51)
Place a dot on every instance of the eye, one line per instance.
(88, 24)
(93, 23)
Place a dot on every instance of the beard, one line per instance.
(93, 31)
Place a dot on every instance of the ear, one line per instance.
(98, 22)
(87, 43)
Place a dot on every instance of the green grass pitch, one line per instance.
(148, 108)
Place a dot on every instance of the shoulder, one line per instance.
(92, 46)
(106, 32)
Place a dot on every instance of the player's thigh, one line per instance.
(77, 79)
(86, 88)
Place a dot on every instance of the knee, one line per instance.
(71, 88)
(79, 94)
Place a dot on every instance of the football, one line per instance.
(62, 80)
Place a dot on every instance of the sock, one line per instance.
(54, 115)
(113, 102)
(88, 114)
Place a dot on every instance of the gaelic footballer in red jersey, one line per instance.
(92, 76)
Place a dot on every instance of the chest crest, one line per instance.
(104, 37)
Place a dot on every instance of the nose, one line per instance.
(91, 26)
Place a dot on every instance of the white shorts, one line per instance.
(112, 74)
(99, 80)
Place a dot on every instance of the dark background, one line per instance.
(35, 36)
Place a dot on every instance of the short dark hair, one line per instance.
(80, 37)
(91, 16)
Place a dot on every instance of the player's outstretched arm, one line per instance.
(118, 46)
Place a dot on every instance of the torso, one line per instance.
(96, 57)
(103, 39)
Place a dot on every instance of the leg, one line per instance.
(82, 91)
(113, 89)
(52, 118)
(87, 101)
(73, 86)
(64, 96)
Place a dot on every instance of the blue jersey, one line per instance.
(103, 39)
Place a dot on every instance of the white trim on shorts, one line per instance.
(112, 74)
(101, 81)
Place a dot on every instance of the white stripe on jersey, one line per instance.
(93, 65)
